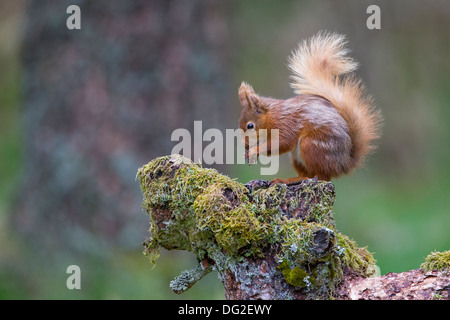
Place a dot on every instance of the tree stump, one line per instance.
(265, 241)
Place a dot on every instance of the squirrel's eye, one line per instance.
(250, 126)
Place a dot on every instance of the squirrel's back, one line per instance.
(320, 67)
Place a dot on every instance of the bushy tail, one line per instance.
(320, 67)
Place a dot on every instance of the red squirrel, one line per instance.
(330, 126)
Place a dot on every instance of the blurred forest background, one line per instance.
(82, 110)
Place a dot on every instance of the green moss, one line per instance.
(358, 259)
(297, 238)
(217, 218)
(319, 211)
(266, 202)
(170, 186)
(295, 276)
(436, 261)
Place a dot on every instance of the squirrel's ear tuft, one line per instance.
(249, 99)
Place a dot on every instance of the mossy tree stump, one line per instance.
(264, 241)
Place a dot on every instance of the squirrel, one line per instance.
(332, 123)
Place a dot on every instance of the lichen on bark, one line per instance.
(242, 231)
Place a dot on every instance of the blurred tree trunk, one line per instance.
(101, 100)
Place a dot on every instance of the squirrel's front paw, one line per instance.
(252, 155)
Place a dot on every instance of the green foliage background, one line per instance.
(398, 205)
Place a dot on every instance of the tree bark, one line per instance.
(266, 241)
(410, 285)
(100, 100)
